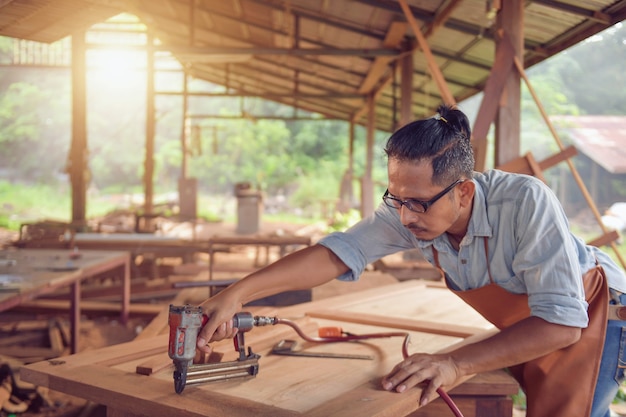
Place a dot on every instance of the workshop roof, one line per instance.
(601, 138)
(326, 56)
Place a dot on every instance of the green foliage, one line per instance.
(34, 126)
(304, 160)
(6, 47)
(342, 221)
(588, 76)
(317, 188)
(32, 202)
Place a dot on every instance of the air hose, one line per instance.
(339, 336)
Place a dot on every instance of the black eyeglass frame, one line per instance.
(412, 203)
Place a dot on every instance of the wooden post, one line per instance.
(406, 89)
(367, 185)
(507, 123)
(74, 316)
(77, 160)
(502, 65)
(150, 126)
(184, 128)
(346, 193)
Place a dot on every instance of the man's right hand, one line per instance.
(223, 331)
(220, 323)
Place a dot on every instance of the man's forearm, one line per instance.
(526, 340)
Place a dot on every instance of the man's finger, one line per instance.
(205, 335)
(428, 394)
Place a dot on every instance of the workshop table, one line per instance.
(26, 274)
(296, 386)
(140, 243)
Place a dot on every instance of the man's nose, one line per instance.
(408, 216)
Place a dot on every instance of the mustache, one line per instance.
(413, 227)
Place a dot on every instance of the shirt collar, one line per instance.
(478, 225)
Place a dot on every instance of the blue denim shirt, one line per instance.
(531, 249)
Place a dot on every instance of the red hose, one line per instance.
(405, 351)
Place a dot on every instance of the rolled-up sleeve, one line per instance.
(372, 238)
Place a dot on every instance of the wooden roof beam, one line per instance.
(384, 83)
(577, 11)
(206, 51)
(436, 73)
(442, 16)
(439, 20)
(320, 18)
(394, 37)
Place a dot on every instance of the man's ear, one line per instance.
(466, 192)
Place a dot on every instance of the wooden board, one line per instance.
(286, 386)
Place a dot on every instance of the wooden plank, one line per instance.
(259, 240)
(114, 412)
(28, 352)
(23, 326)
(561, 156)
(88, 306)
(605, 239)
(377, 404)
(56, 339)
(259, 341)
(394, 36)
(524, 165)
(156, 364)
(147, 396)
(528, 165)
(445, 329)
(284, 385)
(357, 297)
(111, 291)
(29, 337)
(534, 167)
(113, 355)
(488, 383)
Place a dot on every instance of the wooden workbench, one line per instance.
(140, 243)
(296, 386)
(26, 274)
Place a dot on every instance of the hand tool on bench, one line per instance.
(185, 323)
(287, 348)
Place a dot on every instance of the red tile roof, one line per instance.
(601, 138)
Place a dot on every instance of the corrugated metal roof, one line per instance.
(326, 56)
(601, 138)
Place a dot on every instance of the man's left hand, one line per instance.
(435, 370)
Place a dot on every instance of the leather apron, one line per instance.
(561, 383)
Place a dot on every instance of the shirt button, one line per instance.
(463, 261)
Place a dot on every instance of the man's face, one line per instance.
(412, 180)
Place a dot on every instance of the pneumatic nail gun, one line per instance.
(185, 323)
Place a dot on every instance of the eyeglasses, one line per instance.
(417, 206)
